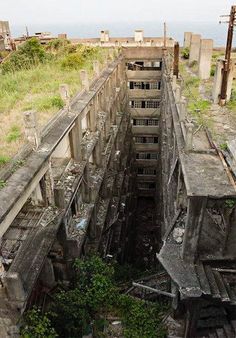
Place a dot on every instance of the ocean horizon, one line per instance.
(211, 30)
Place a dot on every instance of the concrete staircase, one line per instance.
(227, 331)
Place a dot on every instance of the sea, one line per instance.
(208, 30)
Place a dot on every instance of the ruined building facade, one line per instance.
(120, 171)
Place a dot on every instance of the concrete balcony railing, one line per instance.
(144, 93)
(145, 112)
(145, 163)
(141, 130)
(147, 147)
(143, 74)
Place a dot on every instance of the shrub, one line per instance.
(29, 54)
(84, 307)
(57, 44)
(185, 53)
(72, 61)
(141, 319)
(37, 325)
(213, 70)
(230, 203)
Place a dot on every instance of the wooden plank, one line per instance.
(212, 282)
(223, 292)
(220, 333)
(228, 331)
(172, 224)
(160, 292)
(203, 279)
(233, 324)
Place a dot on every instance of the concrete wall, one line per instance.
(187, 39)
(205, 55)
(194, 47)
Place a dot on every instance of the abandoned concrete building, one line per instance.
(119, 170)
(5, 35)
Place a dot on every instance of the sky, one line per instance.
(22, 12)
(86, 18)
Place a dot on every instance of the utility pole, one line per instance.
(164, 35)
(27, 32)
(226, 67)
(176, 60)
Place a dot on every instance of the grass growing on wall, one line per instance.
(30, 79)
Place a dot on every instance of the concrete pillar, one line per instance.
(194, 47)
(195, 216)
(86, 184)
(49, 185)
(174, 82)
(84, 79)
(36, 196)
(218, 81)
(97, 154)
(96, 68)
(14, 286)
(65, 95)
(76, 140)
(189, 137)
(31, 129)
(205, 55)
(177, 94)
(187, 39)
(92, 117)
(84, 151)
(47, 274)
(59, 196)
(104, 37)
(182, 109)
(138, 35)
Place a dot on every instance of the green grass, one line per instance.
(196, 106)
(14, 134)
(231, 104)
(2, 184)
(37, 89)
(4, 160)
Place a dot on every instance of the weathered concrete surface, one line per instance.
(205, 55)
(194, 47)
(218, 81)
(187, 39)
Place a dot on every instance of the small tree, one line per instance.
(37, 325)
(185, 53)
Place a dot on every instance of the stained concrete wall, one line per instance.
(187, 39)
(205, 55)
(194, 47)
(4, 28)
(218, 81)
